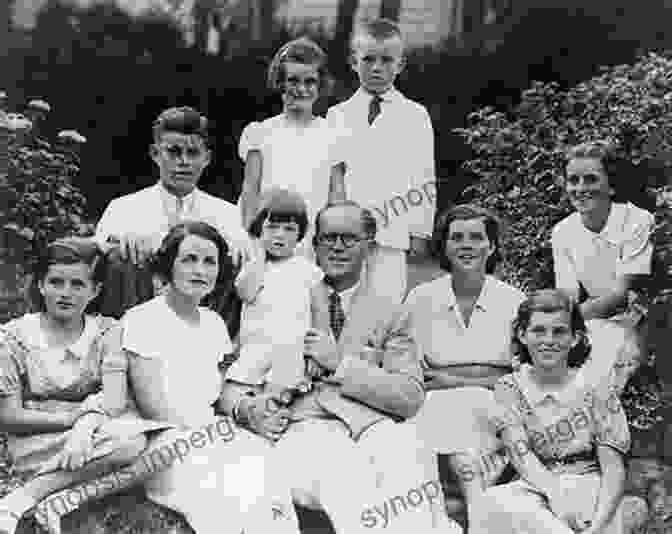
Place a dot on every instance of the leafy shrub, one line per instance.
(39, 200)
(519, 161)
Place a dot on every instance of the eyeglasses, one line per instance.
(309, 83)
(178, 151)
(329, 240)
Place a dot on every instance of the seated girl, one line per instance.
(599, 251)
(567, 438)
(276, 291)
(53, 364)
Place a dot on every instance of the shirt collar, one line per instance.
(171, 200)
(536, 396)
(80, 348)
(485, 299)
(613, 229)
(391, 95)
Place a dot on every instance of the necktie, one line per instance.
(374, 108)
(336, 314)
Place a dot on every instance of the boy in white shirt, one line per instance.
(390, 155)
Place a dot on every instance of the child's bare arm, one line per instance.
(114, 374)
(337, 191)
(250, 280)
(249, 197)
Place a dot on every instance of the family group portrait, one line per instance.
(341, 267)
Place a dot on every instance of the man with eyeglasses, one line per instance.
(342, 446)
(133, 225)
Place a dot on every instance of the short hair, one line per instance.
(621, 172)
(184, 120)
(302, 50)
(377, 29)
(162, 262)
(281, 205)
(368, 220)
(466, 212)
(550, 301)
(68, 251)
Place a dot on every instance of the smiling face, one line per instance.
(279, 238)
(587, 185)
(67, 290)
(301, 87)
(548, 338)
(378, 62)
(467, 245)
(181, 160)
(195, 268)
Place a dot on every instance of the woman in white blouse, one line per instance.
(596, 252)
(462, 323)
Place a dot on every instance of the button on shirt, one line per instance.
(440, 330)
(598, 259)
(388, 159)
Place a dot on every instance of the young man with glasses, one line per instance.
(133, 225)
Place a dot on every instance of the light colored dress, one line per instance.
(296, 158)
(227, 484)
(596, 260)
(563, 431)
(273, 326)
(457, 420)
(62, 379)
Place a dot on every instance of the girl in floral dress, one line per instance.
(54, 365)
(566, 438)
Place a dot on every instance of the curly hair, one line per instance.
(466, 212)
(550, 301)
(621, 172)
(162, 262)
(302, 50)
(68, 251)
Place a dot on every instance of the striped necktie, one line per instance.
(336, 314)
(374, 108)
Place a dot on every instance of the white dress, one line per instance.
(274, 324)
(298, 159)
(596, 260)
(226, 484)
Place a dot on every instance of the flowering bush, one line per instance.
(519, 158)
(36, 192)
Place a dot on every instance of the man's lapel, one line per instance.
(365, 312)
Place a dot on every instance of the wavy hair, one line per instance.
(302, 50)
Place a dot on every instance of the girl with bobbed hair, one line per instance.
(462, 322)
(599, 251)
(62, 399)
(566, 437)
(296, 149)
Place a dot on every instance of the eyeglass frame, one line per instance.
(352, 239)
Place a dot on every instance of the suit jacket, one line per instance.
(380, 376)
(390, 163)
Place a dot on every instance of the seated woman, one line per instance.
(51, 365)
(173, 347)
(462, 323)
(566, 437)
(597, 251)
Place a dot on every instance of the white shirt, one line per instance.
(598, 259)
(189, 354)
(154, 211)
(274, 324)
(440, 331)
(295, 158)
(390, 164)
